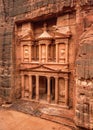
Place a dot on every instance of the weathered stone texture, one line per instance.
(78, 15)
(84, 76)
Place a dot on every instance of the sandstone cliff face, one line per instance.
(84, 78)
(14, 12)
(5, 50)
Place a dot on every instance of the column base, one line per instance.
(30, 95)
(37, 97)
(48, 98)
(23, 93)
(56, 101)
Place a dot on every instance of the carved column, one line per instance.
(35, 51)
(22, 54)
(29, 53)
(22, 85)
(39, 52)
(56, 89)
(48, 89)
(57, 53)
(66, 91)
(46, 53)
(30, 86)
(66, 53)
(37, 87)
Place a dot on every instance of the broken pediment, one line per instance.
(26, 36)
(62, 31)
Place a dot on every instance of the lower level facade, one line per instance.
(48, 87)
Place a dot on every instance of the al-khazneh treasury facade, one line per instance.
(43, 59)
(46, 56)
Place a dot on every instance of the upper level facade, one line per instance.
(43, 42)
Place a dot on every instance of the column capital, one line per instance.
(48, 77)
(66, 78)
(56, 77)
(21, 45)
(37, 75)
(29, 74)
(29, 44)
(21, 74)
(57, 43)
(46, 44)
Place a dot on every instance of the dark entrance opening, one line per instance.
(52, 89)
(43, 88)
(33, 87)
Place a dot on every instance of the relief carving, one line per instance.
(5, 71)
(26, 53)
(41, 60)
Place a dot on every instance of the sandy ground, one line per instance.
(13, 120)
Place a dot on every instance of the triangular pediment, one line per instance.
(42, 68)
(28, 35)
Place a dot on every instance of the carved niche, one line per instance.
(26, 53)
(62, 50)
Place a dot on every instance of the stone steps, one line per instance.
(46, 112)
(61, 120)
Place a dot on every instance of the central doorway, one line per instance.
(33, 87)
(43, 88)
(52, 89)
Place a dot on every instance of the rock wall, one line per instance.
(5, 51)
(14, 12)
(84, 74)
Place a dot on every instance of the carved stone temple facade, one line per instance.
(42, 57)
(46, 55)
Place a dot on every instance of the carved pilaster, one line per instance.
(48, 89)
(39, 53)
(66, 53)
(21, 53)
(57, 53)
(22, 85)
(56, 89)
(30, 86)
(37, 87)
(66, 91)
(29, 53)
(46, 53)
